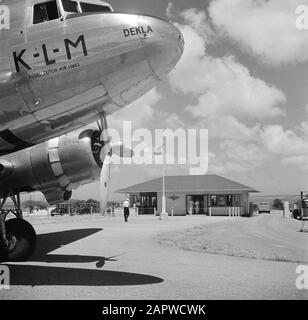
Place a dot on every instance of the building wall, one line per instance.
(179, 205)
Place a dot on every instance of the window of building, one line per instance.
(90, 7)
(229, 200)
(195, 204)
(225, 200)
(148, 202)
(236, 200)
(70, 6)
(154, 202)
(221, 200)
(214, 201)
(133, 199)
(45, 11)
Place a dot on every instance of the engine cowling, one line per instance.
(54, 167)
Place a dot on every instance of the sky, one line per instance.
(244, 77)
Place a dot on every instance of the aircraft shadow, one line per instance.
(30, 275)
(27, 275)
(49, 242)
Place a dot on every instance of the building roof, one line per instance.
(203, 183)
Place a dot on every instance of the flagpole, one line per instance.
(163, 205)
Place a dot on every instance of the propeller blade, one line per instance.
(105, 182)
(106, 153)
(103, 127)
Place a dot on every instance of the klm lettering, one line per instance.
(47, 54)
(137, 30)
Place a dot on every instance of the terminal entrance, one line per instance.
(196, 204)
(148, 203)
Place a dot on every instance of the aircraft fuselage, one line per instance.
(59, 75)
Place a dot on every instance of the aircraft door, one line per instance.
(43, 48)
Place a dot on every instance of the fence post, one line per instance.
(285, 208)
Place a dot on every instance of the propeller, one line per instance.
(105, 181)
(108, 148)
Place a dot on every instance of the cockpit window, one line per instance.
(45, 11)
(70, 6)
(90, 7)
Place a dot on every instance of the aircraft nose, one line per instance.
(163, 46)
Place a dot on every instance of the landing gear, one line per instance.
(18, 238)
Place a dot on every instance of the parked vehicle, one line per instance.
(300, 209)
(60, 209)
(264, 207)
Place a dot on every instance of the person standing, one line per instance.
(126, 209)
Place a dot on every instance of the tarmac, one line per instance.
(98, 257)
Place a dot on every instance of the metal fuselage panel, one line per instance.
(53, 167)
(59, 75)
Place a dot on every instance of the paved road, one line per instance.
(93, 257)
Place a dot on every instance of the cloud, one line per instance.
(170, 11)
(228, 100)
(283, 142)
(171, 121)
(200, 22)
(264, 29)
(228, 126)
(300, 162)
(222, 86)
(242, 152)
(303, 128)
(139, 112)
(239, 156)
(270, 145)
(231, 90)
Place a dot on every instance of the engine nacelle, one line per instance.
(54, 167)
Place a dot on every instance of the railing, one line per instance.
(232, 211)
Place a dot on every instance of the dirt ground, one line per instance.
(265, 236)
(95, 257)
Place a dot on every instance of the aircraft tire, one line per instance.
(23, 238)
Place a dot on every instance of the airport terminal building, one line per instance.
(210, 195)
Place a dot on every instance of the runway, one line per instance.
(95, 257)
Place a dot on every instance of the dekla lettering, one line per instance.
(137, 30)
(113, 310)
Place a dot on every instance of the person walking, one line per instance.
(126, 209)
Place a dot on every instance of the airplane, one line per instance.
(65, 64)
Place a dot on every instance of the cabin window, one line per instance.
(45, 11)
(90, 7)
(70, 6)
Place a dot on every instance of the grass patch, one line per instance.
(224, 238)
